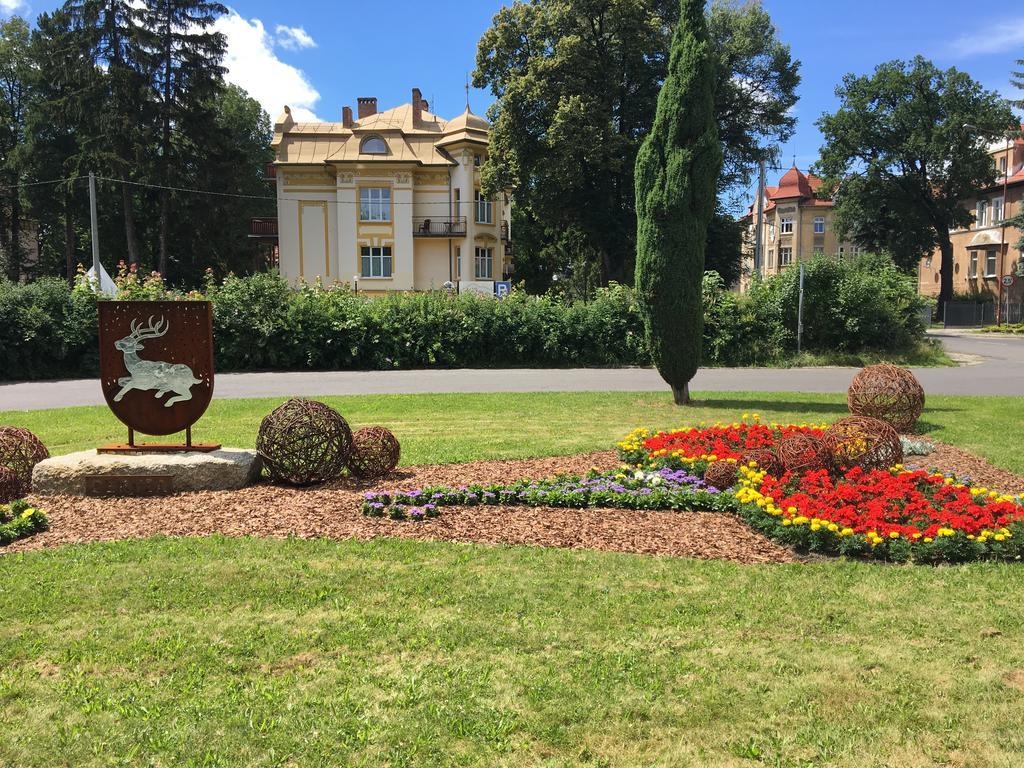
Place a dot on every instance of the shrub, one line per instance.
(262, 323)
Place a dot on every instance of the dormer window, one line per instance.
(373, 145)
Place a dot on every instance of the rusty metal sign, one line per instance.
(156, 363)
(129, 485)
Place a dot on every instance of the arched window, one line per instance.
(373, 145)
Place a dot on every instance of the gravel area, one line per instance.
(334, 511)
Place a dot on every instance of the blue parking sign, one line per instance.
(502, 288)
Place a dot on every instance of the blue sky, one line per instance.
(318, 56)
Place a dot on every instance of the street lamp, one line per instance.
(1003, 212)
(355, 283)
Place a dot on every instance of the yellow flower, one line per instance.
(894, 534)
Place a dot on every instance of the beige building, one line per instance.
(389, 200)
(796, 226)
(986, 252)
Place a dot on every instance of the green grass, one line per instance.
(461, 427)
(222, 652)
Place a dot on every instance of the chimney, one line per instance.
(346, 116)
(367, 106)
(417, 106)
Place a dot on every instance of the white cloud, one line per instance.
(11, 7)
(253, 65)
(292, 38)
(1004, 35)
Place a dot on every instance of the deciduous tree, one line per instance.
(903, 160)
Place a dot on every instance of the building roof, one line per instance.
(794, 185)
(409, 139)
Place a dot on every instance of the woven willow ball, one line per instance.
(20, 451)
(766, 460)
(804, 453)
(375, 453)
(721, 474)
(860, 441)
(10, 488)
(304, 442)
(889, 393)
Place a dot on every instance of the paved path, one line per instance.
(998, 370)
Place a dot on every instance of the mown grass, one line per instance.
(465, 427)
(219, 652)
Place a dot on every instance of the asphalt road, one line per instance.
(996, 368)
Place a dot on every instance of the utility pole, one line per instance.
(95, 231)
(800, 313)
(758, 223)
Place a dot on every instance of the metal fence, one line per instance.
(968, 314)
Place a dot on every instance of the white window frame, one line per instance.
(786, 226)
(981, 214)
(771, 257)
(972, 270)
(996, 210)
(991, 257)
(785, 257)
(819, 250)
(376, 259)
(484, 209)
(375, 204)
(771, 231)
(370, 146)
(483, 263)
(819, 225)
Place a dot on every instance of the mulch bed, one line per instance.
(334, 511)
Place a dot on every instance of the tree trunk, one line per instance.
(681, 395)
(69, 240)
(945, 271)
(131, 239)
(16, 253)
(164, 216)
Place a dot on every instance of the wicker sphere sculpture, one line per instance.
(765, 458)
(860, 441)
(10, 488)
(20, 451)
(303, 442)
(722, 474)
(375, 453)
(889, 393)
(804, 453)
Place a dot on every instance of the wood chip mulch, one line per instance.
(334, 512)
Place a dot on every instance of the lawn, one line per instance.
(242, 652)
(218, 652)
(464, 427)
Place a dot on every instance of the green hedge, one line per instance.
(260, 323)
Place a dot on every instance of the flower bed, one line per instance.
(18, 520)
(895, 514)
(665, 488)
(694, 448)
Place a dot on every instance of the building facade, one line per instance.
(389, 201)
(796, 225)
(987, 252)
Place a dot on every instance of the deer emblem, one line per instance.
(151, 374)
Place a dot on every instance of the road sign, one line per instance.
(502, 288)
(1008, 280)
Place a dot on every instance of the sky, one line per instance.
(320, 55)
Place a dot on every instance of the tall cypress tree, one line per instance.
(676, 175)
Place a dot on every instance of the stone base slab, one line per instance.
(224, 470)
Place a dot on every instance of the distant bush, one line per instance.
(261, 323)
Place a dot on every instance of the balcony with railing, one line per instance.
(265, 229)
(270, 172)
(439, 226)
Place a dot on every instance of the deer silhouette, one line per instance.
(150, 374)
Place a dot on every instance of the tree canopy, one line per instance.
(902, 157)
(576, 85)
(134, 91)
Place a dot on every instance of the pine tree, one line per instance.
(676, 178)
(184, 56)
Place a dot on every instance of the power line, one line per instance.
(25, 185)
